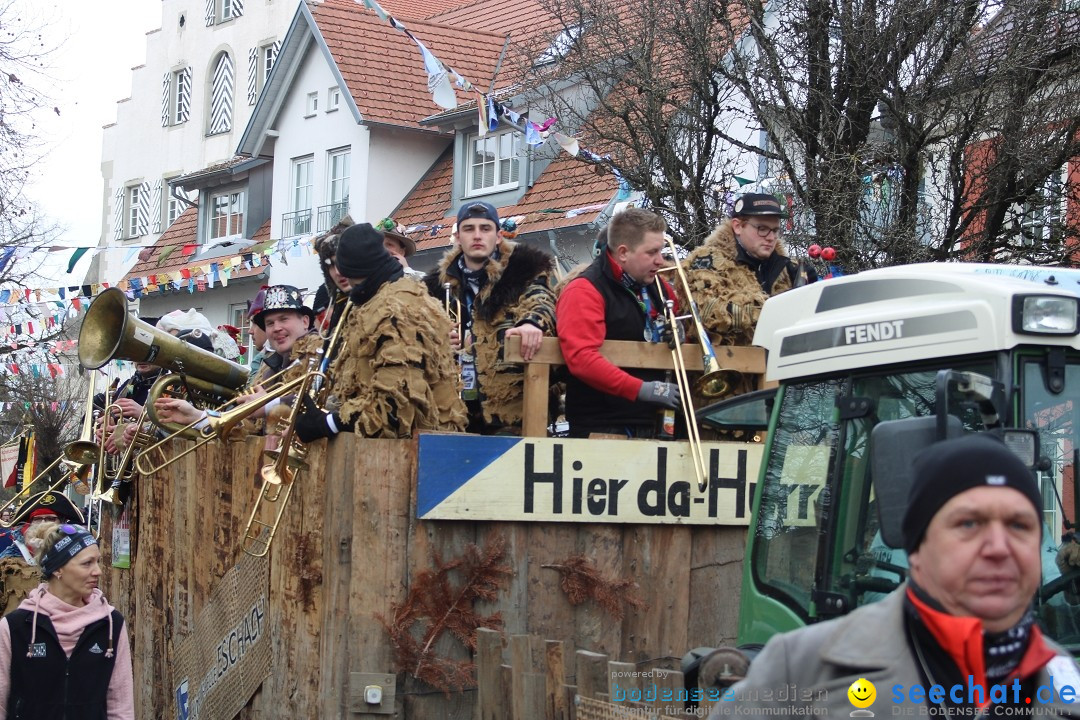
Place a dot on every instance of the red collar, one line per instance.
(962, 639)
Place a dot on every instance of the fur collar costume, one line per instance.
(722, 286)
(395, 373)
(515, 289)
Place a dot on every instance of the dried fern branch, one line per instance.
(434, 606)
(581, 581)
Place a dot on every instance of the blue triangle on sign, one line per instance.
(449, 461)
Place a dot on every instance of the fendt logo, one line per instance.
(874, 332)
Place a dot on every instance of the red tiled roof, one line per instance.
(566, 184)
(383, 68)
(183, 232)
(520, 19)
(419, 9)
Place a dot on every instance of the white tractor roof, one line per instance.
(903, 314)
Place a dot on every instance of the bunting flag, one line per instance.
(75, 256)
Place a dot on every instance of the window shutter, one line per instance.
(166, 96)
(253, 71)
(211, 10)
(144, 208)
(155, 207)
(118, 214)
(275, 48)
(184, 93)
(222, 98)
(237, 8)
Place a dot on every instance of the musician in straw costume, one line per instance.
(394, 373)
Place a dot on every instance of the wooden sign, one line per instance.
(469, 477)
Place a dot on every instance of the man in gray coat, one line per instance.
(960, 637)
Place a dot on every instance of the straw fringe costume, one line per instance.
(395, 372)
(516, 289)
(728, 294)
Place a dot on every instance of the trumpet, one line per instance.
(452, 307)
(125, 470)
(290, 458)
(101, 471)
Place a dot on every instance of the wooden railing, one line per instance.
(621, 353)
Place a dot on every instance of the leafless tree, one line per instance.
(896, 130)
(24, 55)
(648, 104)
(52, 407)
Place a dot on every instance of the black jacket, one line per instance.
(52, 686)
(589, 409)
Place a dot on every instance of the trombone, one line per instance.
(714, 382)
(74, 474)
(290, 457)
(80, 455)
(219, 424)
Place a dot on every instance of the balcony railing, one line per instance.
(296, 223)
(330, 214)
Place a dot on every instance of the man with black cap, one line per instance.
(394, 372)
(964, 622)
(739, 266)
(505, 290)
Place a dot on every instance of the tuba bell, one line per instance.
(110, 332)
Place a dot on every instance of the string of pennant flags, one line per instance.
(441, 82)
(490, 111)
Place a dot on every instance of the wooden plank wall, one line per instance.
(345, 554)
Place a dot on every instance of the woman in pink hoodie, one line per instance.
(64, 652)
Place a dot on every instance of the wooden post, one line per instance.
(488, 675)
(521, 662)
(671, 681)
(591, 674)
(555, 696)
(622, 676)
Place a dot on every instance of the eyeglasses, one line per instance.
(765, 231)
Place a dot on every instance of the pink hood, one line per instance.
(68, 620)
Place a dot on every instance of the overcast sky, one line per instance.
(99, 42)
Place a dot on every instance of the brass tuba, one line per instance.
(110, 332)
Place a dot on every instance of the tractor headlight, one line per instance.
(1045, 314)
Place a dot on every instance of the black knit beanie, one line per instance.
(948, 468)
(360, 251)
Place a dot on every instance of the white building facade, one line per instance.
(205, 68)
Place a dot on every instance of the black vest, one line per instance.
(52, 686)
(588, 409)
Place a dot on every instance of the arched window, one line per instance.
(221, 97)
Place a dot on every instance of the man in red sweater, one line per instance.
(616, 298)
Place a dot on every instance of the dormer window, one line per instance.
(559, 47)
(493, 163)
(227, 214)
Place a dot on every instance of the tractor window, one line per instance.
(1055, 416)
(817, 485)
(794, 496)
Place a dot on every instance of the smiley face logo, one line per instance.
(862, 693)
